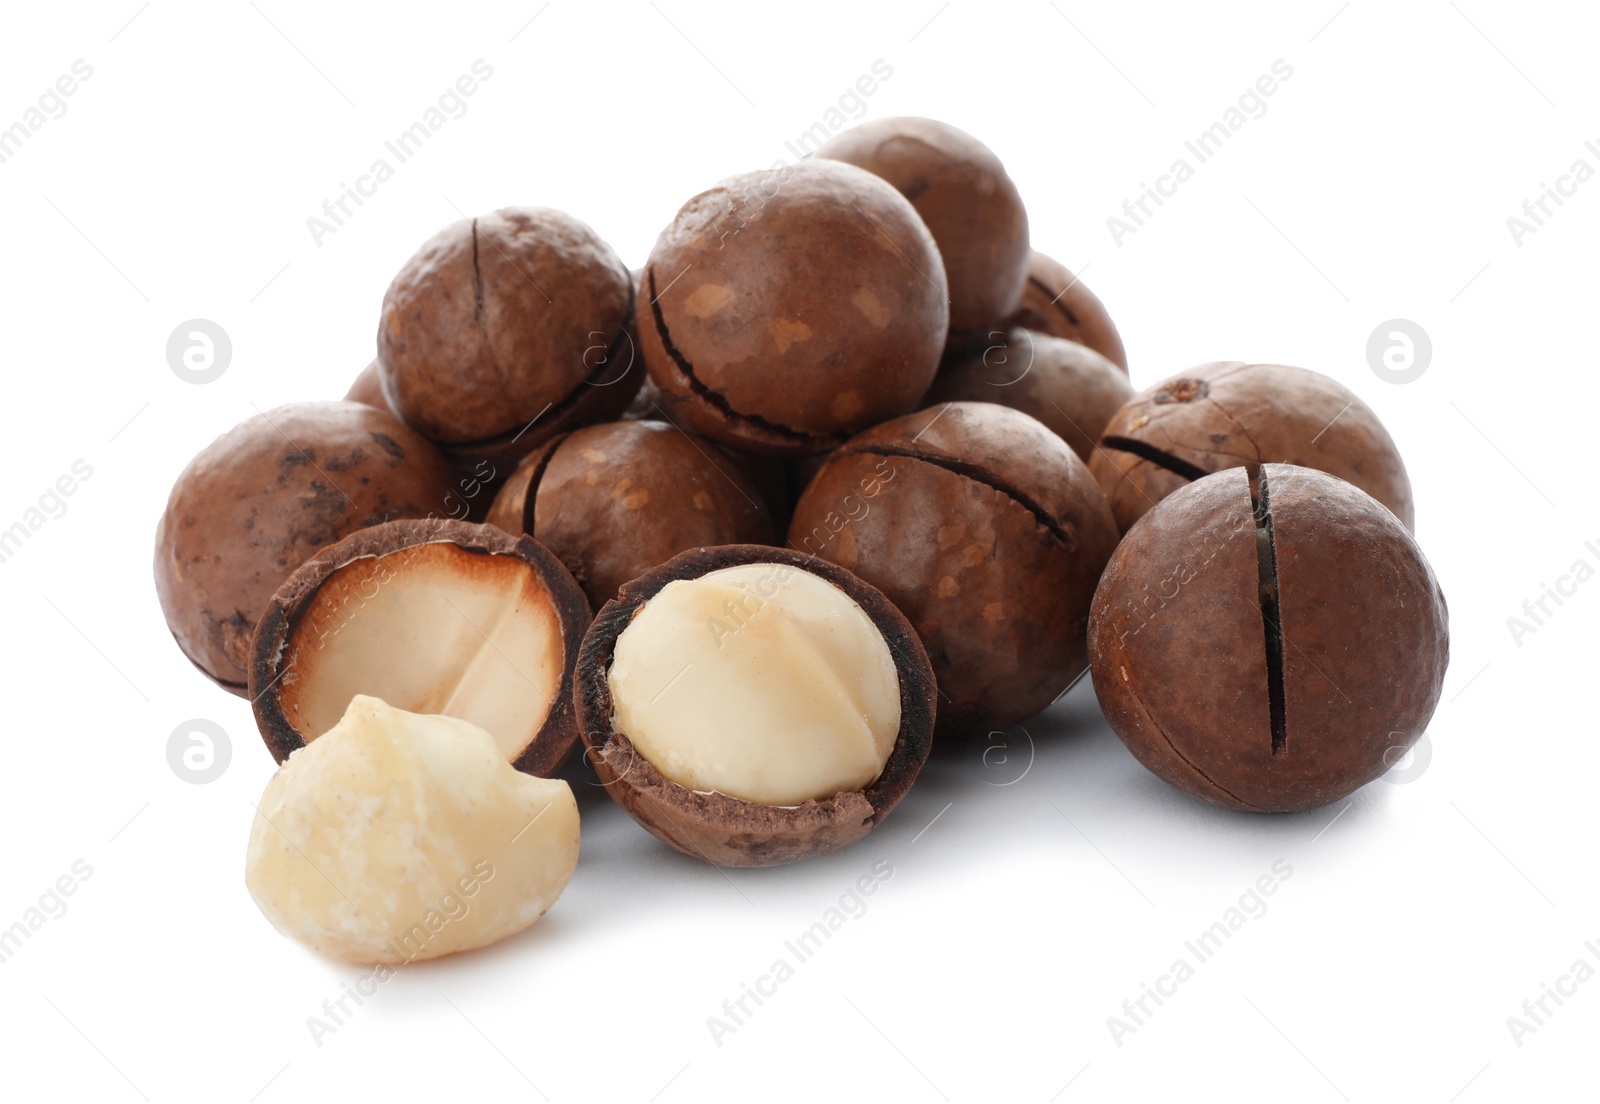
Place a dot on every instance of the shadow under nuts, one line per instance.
(987, 532)
(1269, 643)
(1230, 414)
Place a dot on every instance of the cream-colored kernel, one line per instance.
(397, 837)
(762, 682)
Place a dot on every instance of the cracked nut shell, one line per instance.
(1271, 644)
(962, 192)
(612, 501)
(729, 831)
(1230, 414)
(263, 498)
(1056, 302)
(431, 615)
(987, 532)
(1067, 386)
(497, 322)
(784, 310)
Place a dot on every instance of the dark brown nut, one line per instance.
(432, 616)
(786, 309)
(987, 532)
(1269, 645)
(612, 501)
(262, 499)
(1056, 302)
(505, 329)
(1231, 414)
(1067, 386)
(962, 192)
(731, 698)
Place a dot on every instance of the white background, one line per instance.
(1019, 917)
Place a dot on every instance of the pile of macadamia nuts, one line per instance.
(845, 469)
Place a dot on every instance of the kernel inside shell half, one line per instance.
(808, 714)
(432, 616)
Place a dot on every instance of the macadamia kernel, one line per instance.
(401, 836)
(762, 682)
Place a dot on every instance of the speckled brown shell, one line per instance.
(726, 830)
(1067, 386)
(613, 501)
(556, 738)
(785, 309)
(1231, 414)
(1056, 302)
(263, 498)
(1269, 665)
(962, 192)
(987, 532)
(505, 325)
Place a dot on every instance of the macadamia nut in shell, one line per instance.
(807, 698)
(265, 497)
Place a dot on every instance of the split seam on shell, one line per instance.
(1062, 531)
(1271, 608)
(715, 398)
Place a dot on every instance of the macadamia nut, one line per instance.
(759, 681)
(399, 836)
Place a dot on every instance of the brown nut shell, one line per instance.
(503, 323)
(988, 532)
(1056, 302)
(367, 388)
(612, 501)
(726, 830)
(962, 192)
(786, 309)
(433, 616)
(1230, 414)
(1269, 645)
(1067, 386)
(263, 498)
